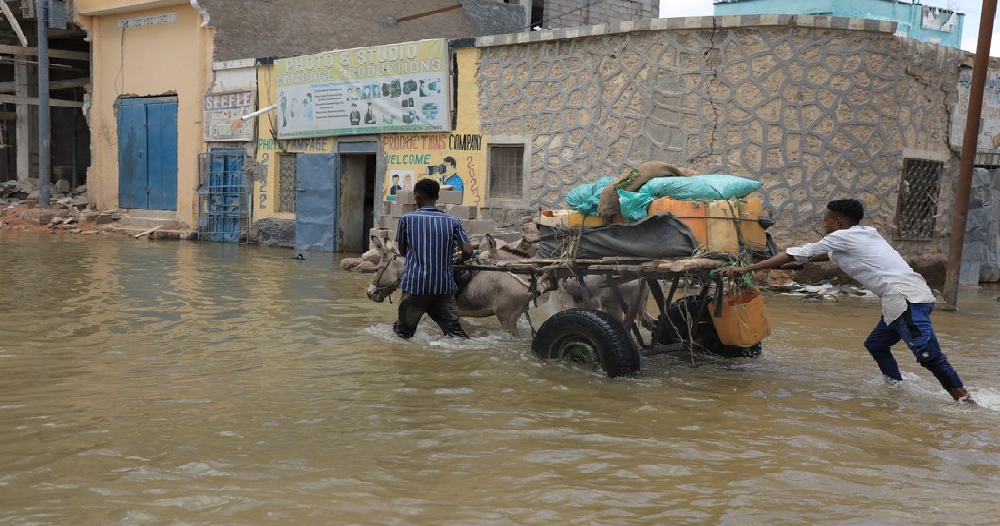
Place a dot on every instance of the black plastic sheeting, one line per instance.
(660, 236)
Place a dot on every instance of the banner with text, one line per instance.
(222, 112)
(397, 88)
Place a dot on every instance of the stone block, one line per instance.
(481, 226)
(398, 209)
(42, 216)
(507, 236)
(387, 222)
(459, 211)
(380, 233)
(405, 197)
(449, 197)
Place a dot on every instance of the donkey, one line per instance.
(488, 293)
(603, 297)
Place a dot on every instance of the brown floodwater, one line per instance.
(158, 383)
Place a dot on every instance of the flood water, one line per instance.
(160, 383)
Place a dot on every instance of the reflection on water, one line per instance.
(160, 383)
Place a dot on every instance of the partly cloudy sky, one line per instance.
(971, 8)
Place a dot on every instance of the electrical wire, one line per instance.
(121, 65)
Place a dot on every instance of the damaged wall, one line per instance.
(813, 112)
(170, 58)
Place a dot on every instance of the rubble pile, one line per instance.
(69, 210)
(61, 196)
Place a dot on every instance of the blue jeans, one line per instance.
(914, 328)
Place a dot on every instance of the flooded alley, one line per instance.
(158, 383)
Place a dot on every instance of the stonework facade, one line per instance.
(576, 13)
(816, 108)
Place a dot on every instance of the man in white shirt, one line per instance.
(906, 300)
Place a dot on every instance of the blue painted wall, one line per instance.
(908, 16)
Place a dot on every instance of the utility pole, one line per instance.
(44, 115)
(970, 143)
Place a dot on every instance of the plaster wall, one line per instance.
(815, 113)
(408, 155)
(171, 59)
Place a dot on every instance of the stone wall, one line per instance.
(817, 108)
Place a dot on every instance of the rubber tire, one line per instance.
(594, 336)
(704, 334)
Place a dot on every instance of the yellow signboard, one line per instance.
(396, 88)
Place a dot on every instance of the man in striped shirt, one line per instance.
(427, 239)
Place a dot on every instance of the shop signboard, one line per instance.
(396, 88)
(222, 112)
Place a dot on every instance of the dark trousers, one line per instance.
(914, 328)
(442, 308)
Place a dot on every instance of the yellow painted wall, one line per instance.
(269, 149)
(172, 59)
(410, 154)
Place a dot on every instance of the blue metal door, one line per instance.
(317, 202)
(147, 153)
(225, 215)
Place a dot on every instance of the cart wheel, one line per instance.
(590, 338)
(673, 328)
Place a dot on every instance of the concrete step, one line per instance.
(149, 218)
(139, 212)
(162, 234)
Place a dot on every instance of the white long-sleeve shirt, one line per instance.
(862, 253)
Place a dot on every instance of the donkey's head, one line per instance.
(388, 273)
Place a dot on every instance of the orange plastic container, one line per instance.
(569, 218)
(744, 320)
(719, 224)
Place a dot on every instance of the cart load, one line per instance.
(658, 211)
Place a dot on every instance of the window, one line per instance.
(918, 199)
(507, 172)
(287, 166)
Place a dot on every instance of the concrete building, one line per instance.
(159, 110)
(928, 23)
(815, 107)
(69, 78)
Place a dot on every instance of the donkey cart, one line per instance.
(727, 324)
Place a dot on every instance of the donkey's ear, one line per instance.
(490, 242)
(377, 243)
(391, 247)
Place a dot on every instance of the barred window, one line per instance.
(507, 172)
(287, 164)
(918, 199)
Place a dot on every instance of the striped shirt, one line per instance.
(427, 238)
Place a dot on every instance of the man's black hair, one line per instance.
(429, 188)
(395, 176)
(849, 208)
(451, 161)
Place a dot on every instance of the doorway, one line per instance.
(357, 200)
(147, 153)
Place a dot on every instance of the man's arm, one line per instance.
(466, 251)
(462, 240)
(806, 253)
(796, 265)
(775, 262)
(401, 243)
